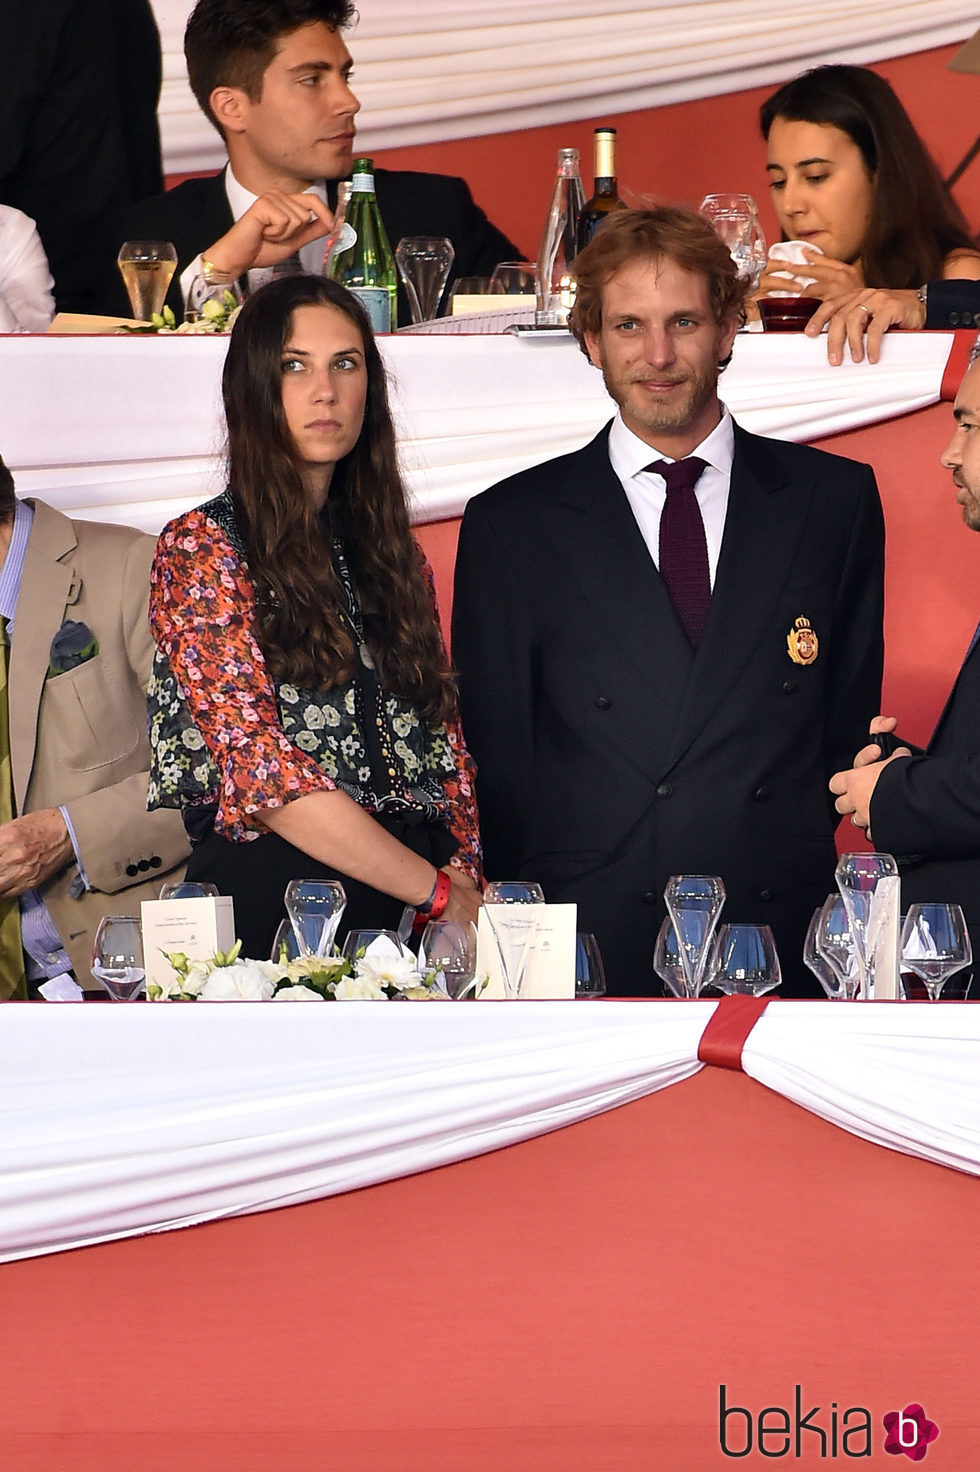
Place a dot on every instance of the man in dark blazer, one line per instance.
(619, 737)
(924, 807)
(272, 75)
(861, 318)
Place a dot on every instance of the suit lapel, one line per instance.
(763, 528)
(45, 588)
(608, 561)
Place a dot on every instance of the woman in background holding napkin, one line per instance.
(850, 176)
(302, 714)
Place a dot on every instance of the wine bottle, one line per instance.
(554, 286)
(367, 267)
(605, 198)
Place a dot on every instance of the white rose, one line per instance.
(297, 994)
(359, 989)
(242, 982)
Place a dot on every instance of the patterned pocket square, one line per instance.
(72, 645)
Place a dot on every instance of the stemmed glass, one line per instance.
(449, 948)
(513, 278)
(590, 976)
(285, 946)
(669, 961)
(146, 267)
(314, 907)
(117, 957)
(510, 905)
(694, 902)
(424, 263)
(187, 889)
(744, 960)
(358, 941)
(829, 950)
(860, 880)
(935, 944)
(735, 218)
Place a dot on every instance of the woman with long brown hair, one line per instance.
(849, 174)
(302, 711)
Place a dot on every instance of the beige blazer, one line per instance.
(79, 739)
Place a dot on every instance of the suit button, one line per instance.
(760, 794)
(155, 861)
(789, 686)
(766, 895)
(132, 870)
(954, 318)
(665, 790)
(143, 865)
(603, 702)
(651, 897)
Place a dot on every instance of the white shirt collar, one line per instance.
(240, 199)
(630, 455)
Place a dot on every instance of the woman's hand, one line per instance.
(465, 898)
(825, 278)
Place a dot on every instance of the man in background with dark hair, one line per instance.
(273, 77)
(79, 843)
(665, 639)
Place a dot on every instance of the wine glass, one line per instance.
(424, 263)
(146, 267)
(285, 946)
(935, 943)
(835, 947)
(187, 889)
(227, 294)
(668, 960)
(735, 218)
(694, 902)
(510, 905)
(514, 278)
(117, 957)
(358, 941)
(864, 881)
(449, 948)
(314, 907)
(590, 976)
(744, 960)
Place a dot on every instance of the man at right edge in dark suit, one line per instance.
(924, 807)
(624, 731)
(273, 76)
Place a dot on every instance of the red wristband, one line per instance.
(439, 898)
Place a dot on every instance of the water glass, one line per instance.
(314, 907)
(424, 263)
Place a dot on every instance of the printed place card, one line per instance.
(197, 927)
(550, 969)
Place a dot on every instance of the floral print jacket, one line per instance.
(223, 735)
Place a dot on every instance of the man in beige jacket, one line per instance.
(81, 843)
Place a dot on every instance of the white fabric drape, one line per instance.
(117, 1120)
(129, 429)
(436, 69)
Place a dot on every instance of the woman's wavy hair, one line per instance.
(915, 222)
(301, 609)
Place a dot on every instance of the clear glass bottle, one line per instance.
(554, 287)
(367, 267)
(605, 198)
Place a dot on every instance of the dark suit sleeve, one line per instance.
(953, 304)
(929, 806)
(480, 245)
(857, 656)
(493, 652)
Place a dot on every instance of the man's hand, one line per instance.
(853, 789)
(270, 231)
(32, 848)
(865, 311)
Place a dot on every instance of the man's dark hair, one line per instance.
(229, 43)
(8, 501)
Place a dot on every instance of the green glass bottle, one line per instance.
(367, 267)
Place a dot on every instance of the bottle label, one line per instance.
(362, 183)
(377, 303)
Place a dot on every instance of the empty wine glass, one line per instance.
(835, 947)
(735, 218)
(424, 264)
(187, 889)
(449, 949)
(744, 960)
(358, 941)
(514, 278)
(668, 961)
(510, 905)
(314, 907)
(864, 881)
(590, 975)
(694, 902)
(146, 267)
(117, 957)
(935, 944)
(285, 946)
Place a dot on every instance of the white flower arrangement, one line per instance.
(381, 973)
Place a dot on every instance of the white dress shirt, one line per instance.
(646, 490)
(26, 303)
(241, 199)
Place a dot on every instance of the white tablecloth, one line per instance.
(129, 429)
(117, 1120)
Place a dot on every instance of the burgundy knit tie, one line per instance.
(683, 548)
